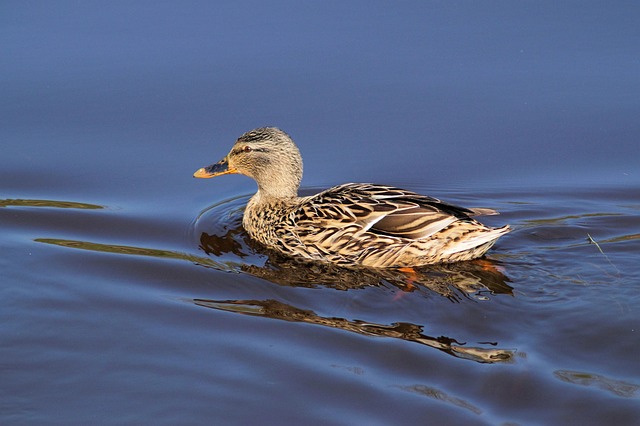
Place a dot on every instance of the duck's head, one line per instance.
(269, 156)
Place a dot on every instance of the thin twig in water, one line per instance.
(591, 240)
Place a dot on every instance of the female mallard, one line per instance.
(350, 224)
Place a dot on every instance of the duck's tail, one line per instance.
(477, 243)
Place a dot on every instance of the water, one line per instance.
(130, 293)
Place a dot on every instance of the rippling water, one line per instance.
(131, 294)
(162, 318)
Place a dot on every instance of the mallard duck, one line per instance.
(352, 224)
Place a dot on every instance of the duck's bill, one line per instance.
(220, 168)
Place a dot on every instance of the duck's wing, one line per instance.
(383, 210)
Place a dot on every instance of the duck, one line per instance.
(353, 224)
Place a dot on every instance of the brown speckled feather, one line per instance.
(372, 225)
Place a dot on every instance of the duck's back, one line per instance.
(379, 226)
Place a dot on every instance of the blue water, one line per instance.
(130, 294)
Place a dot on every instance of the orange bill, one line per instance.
(217, 169)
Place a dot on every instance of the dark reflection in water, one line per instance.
(616, 387)
(450, 281)
(48, 203)
(405, 331)
(140, 251)
(114, 248)
(437, 394)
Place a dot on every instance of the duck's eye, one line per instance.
(246, 148)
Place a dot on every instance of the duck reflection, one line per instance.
(406, 331)
(478, 278)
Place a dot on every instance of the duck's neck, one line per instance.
(277, 187)
(273, 196)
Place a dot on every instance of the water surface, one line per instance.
(131, 294)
